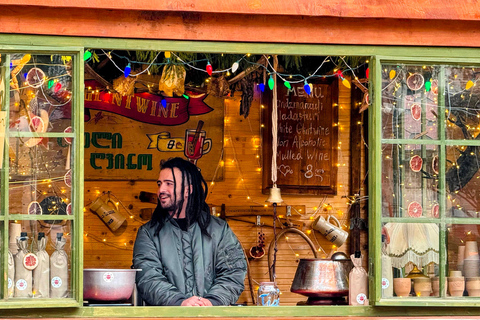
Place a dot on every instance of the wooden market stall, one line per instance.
(121, 151)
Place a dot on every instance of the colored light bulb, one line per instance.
(428, 85)
(367, 73)
(271, 83)
(57, 87)
(164, 103)
(287, 84)
(340, 73)
(168, 54)
(235, 66)
(186, 97)
(307, 88)
(262, 87)
(346, 83)
(87, 55)
(127, 71)
(392, 74)
(469, 84)
(209, 69)
(50, 84)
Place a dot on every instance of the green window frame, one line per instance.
(377, 142)
(10, 43)
(76, 219)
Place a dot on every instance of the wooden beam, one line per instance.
(420, 9)
(234, 27)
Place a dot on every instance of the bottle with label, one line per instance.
(41, 274)
(23, 275)
(268, 294)
(59, 269)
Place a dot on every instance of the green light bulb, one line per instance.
(271, 83)
(287, 84)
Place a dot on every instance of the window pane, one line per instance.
(410, 257)
(462, 106)
(463, 181)
(410, 181)
(410, 102)
(40, 177)
(40, 93)
(46, 274)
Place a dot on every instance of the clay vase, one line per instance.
(402, 286)
(460, 258)
(422, 287)
(456, 286)
(473, 286)
(436, 286)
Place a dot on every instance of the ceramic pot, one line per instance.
(456, 286)
(436, 286)
(402, 286)
(455, 274)
(422, 287)
(473, 286)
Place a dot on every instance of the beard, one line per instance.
(170, 205)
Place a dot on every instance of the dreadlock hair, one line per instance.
(197, 209)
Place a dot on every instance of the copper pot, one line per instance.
(322, 278)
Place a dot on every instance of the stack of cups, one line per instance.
(461, 257)
(471, 262)
(456, 284)
(14, 232)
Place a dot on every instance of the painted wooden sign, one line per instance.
(307, 141)
(127, 137)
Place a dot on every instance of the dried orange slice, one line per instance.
(34, 208)
(30, 261)
(416, 163)
(69, 209)
(415, 81)
(416, 111)
(414, 209)
(68, 130)
(35, 77)
(435, 210)
(435, 164)
(68, 178)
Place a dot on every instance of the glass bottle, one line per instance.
(268, 294)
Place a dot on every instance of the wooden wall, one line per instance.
(241, 187)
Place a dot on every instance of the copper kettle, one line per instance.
(322, 277)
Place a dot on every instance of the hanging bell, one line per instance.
(275, 196)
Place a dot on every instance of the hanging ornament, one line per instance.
(271, 83)
(34, 208)
(35, 77)
(416, 163)
(469, 85)
(414, 209)
(172, 80)
(307, 88)
(287, 84)
(67, 178)
(235, 66)
(262, 87)
(127, 70)
(209, 68)
(392, 73)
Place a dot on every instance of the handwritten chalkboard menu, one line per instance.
(307, 141)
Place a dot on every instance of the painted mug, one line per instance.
(334, 233)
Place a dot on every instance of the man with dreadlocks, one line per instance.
(187, 256)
